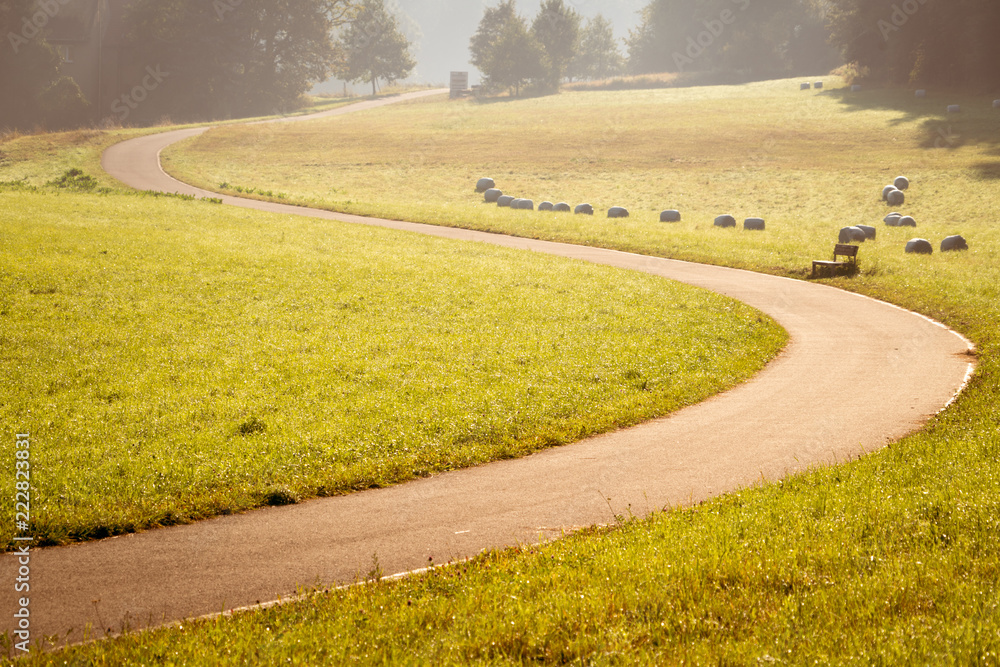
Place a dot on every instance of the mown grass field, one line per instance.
(892, 559)
(175, 360)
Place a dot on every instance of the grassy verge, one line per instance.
(36, 160)
(175, 360)
(887, 560)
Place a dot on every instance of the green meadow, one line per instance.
(889, 559)
(175, 360)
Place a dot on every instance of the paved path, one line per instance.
(857, 374)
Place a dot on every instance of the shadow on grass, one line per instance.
(977, 124)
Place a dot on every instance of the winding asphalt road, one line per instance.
(856, 375)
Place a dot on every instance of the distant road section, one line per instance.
(857, 374)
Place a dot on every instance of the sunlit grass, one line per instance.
(892, 559)
(176, 360)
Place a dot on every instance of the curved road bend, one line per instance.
(856, 375)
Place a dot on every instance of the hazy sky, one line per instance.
(441, 29)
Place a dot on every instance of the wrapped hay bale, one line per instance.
(754, 224)
(954, 243)
(725, 221)
(870, 232)
(902, 183)
(546, 206)
(617, 212)
(584, 209)
(504, 201)
(852, 235)
(492, 195)
(562, 207)
(485, 184)
(919, 247)
(892, 220)
(907, 221)
(896, 198)
(670, 216)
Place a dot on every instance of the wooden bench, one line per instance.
(840, 250)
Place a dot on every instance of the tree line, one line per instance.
(895, 41)
(213, 58)
(557, 45)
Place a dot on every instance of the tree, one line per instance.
(374, 48)
(598, 56)
(34, 93)
(234, 57)
(920, 42)
(504, 51)
(759, 38)
(557, 29)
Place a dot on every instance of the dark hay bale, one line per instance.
(896, 198)
(526, 205)
(953, 243)
(754, 224)
(485, 184)
(852, 235)
(562, 207)
(870, 232)
(584, 209)
(492, 195)
(805, 86)
(920, 247)
(996, 104)
(505, 200)
(818, 85)
(892, 220)
(907, 221)
(546, 206)
(955, 108)
(886, 190)
(921, 93)
(725, 221)
(670, 216)
(617, 212)
(902, 183)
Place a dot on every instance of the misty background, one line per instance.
(440, 30)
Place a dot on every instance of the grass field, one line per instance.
(890, 559)
(176, 360)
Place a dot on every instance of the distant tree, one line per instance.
(234, 57)
(759, 38)
(504, 51)
(598, 56)
(373, 47)
(944, 43)
(34, 93)
(557, 29)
